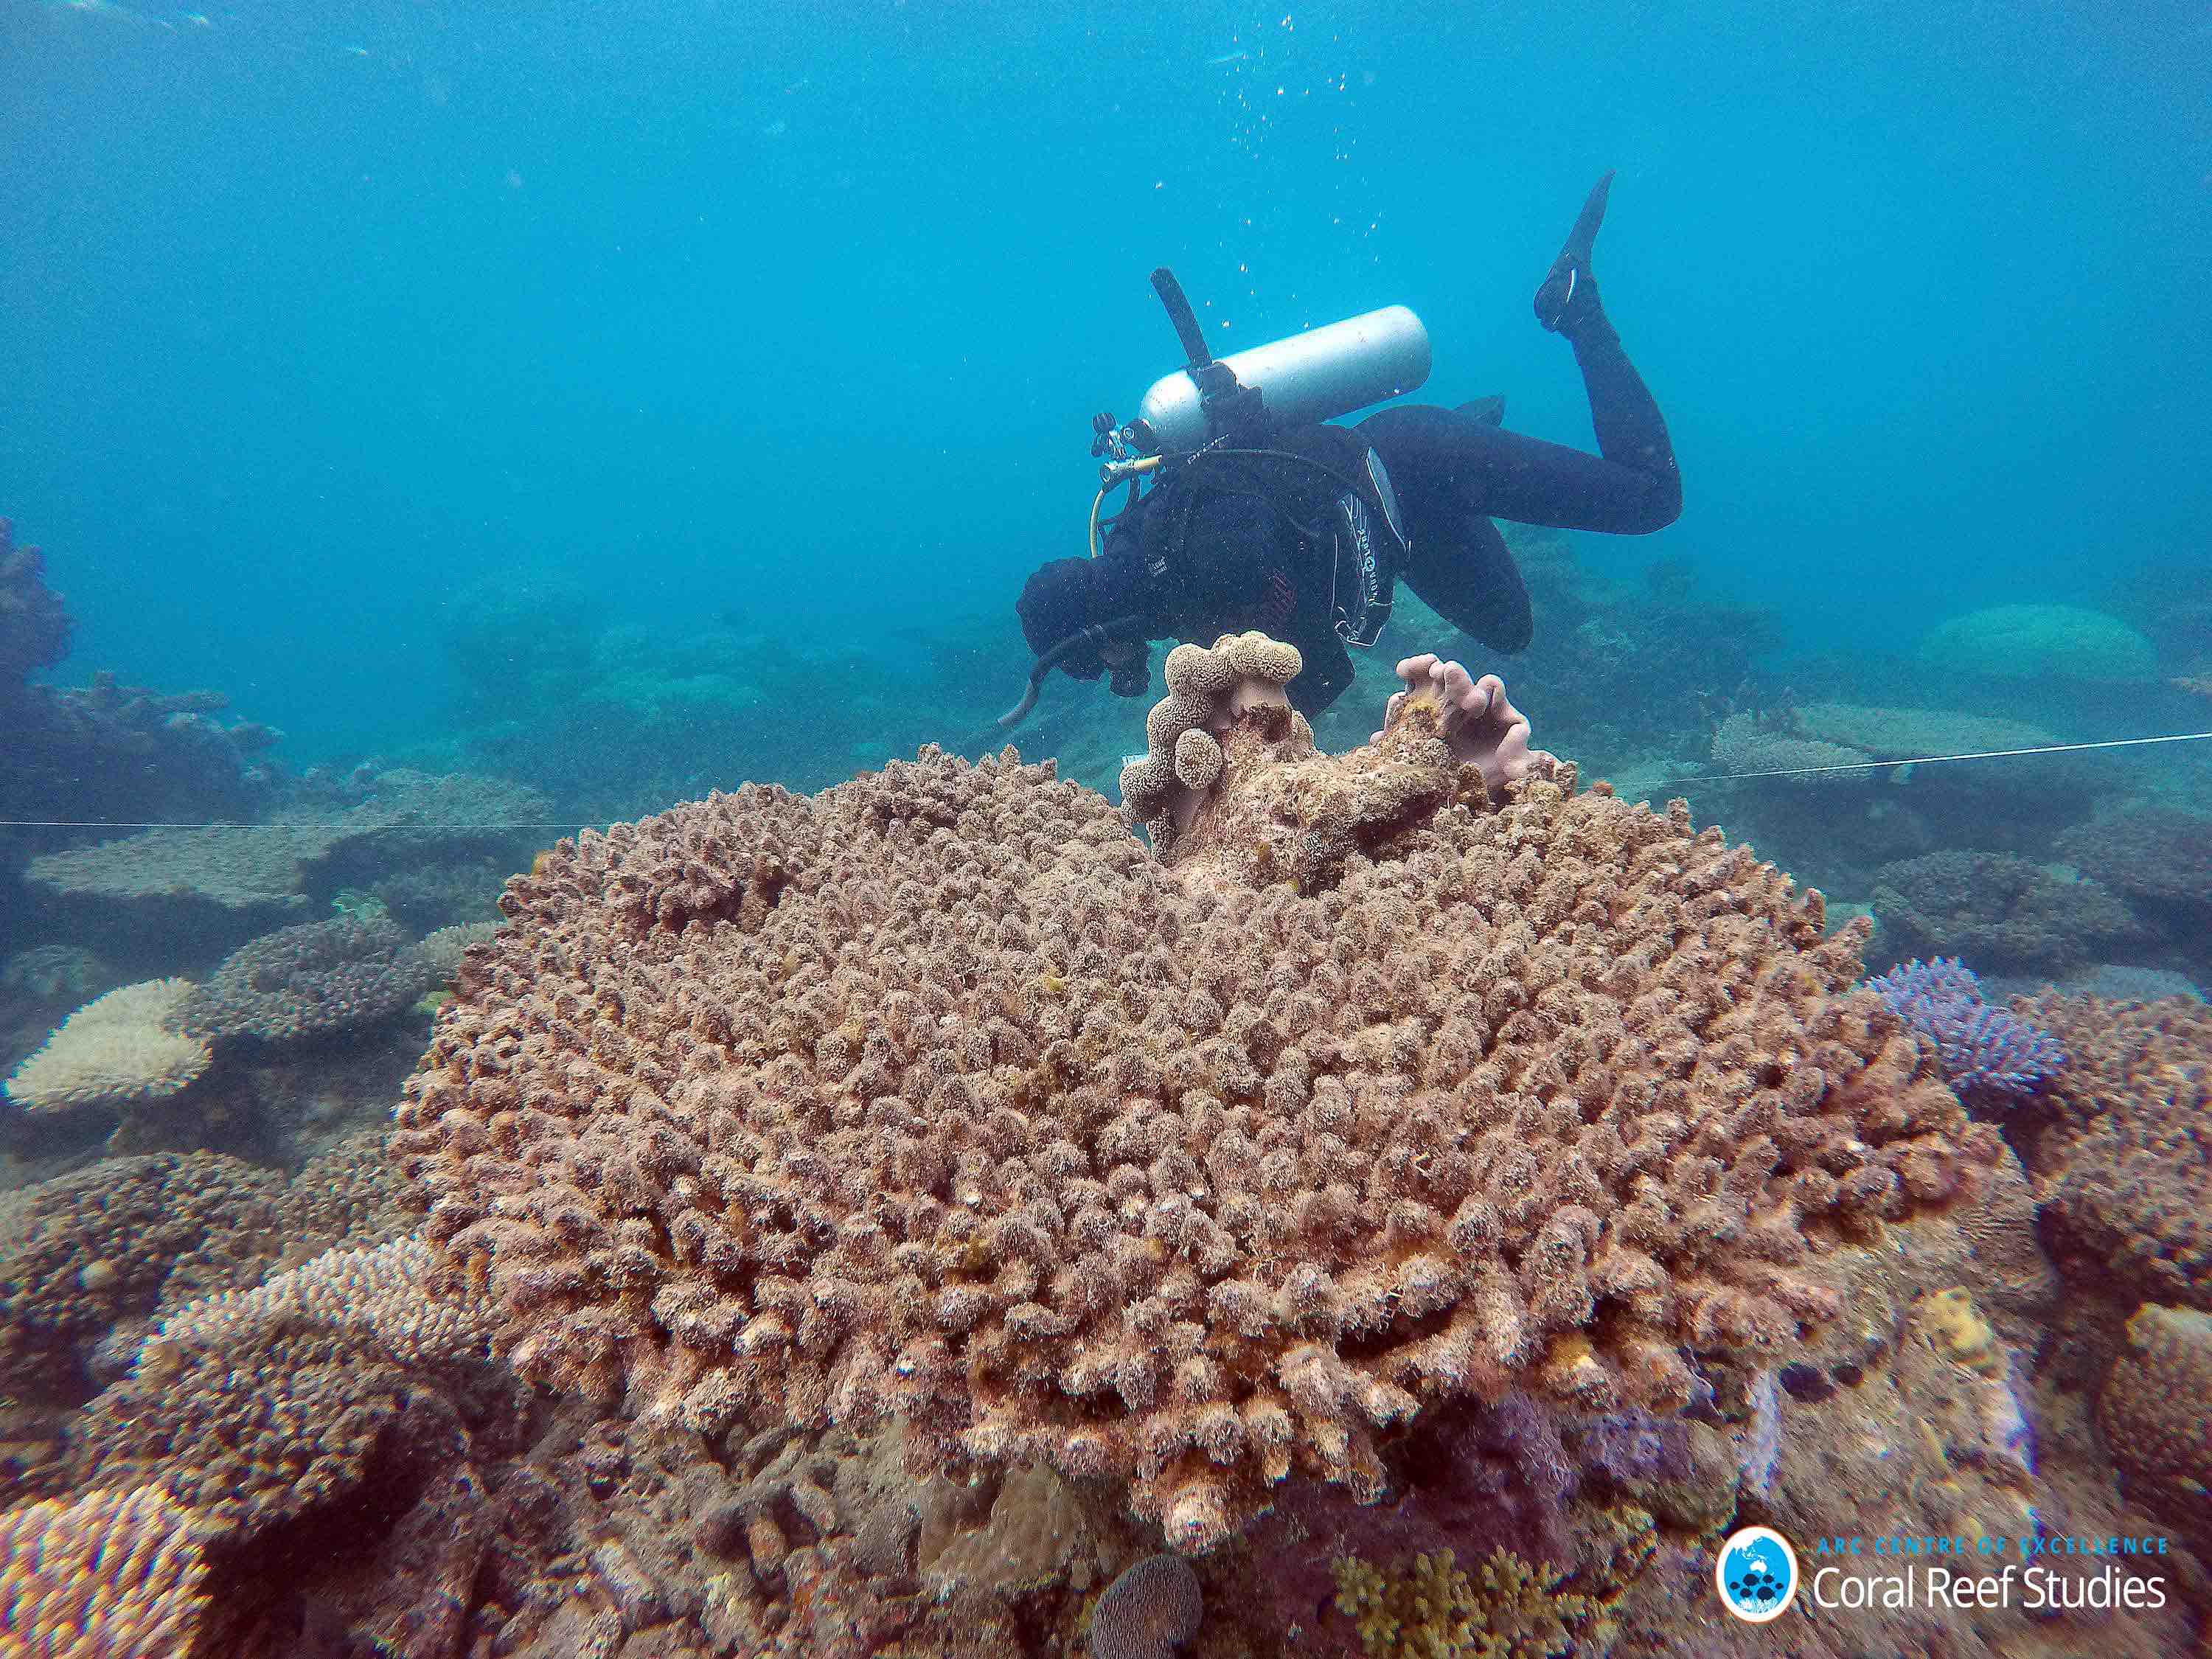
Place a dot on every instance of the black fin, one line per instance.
(1566, 291)
(1489, 410)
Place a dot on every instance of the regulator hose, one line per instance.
(1096, 635)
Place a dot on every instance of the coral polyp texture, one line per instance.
(936, 1094)
(2156, 1412)
(2123, 1172)
(111, 1575)
(316, 977)
(117, 1048)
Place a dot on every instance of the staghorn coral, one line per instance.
(1507, 1609)
(2123, 1172)
(1148, 1612)
(319, 976)
(1987, 1054)
(2156, 1413)
(117, 1048)
(107, 1575)
(933, 1095)
(85, 1251)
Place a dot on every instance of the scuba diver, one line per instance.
(1259, 515)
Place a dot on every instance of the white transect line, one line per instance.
(1716, 777)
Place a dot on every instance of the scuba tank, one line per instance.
(1298, 380)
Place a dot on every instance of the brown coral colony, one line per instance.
(936, 1094)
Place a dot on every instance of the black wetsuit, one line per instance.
(1241, 563)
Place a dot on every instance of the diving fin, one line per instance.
(1489, 410)
(1568, 293)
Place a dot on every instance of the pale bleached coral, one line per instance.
(379, 1292)
(116, 1049)
(106, 1575)
(935, 1096)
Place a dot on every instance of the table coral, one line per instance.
(116, 1049)
(108, 1575)
(316, 977)
(936, 1095)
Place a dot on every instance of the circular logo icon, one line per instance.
(1756, 1574)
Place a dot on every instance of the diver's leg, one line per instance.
(1464, 572)
(1632, 485)
(1508, 475)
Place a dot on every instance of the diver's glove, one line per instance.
(1567, 297)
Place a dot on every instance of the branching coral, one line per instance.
(1986, 1051)
(935, 1094)
(1507, 1609)
(319, 976)
(107, 1575)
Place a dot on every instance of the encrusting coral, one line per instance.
(936, 1095)
(107, 1575)
(2156, 1413)
(115, 1048)
(2122, 1169)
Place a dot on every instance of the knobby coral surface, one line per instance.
(2123, 1170)
(936, 1094)
(2156, 1412)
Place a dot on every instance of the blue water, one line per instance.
(315, 315)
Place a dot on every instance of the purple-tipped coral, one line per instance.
(1984, 1049)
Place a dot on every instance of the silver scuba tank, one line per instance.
(1316, 375)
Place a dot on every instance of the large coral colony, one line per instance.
(937, 1096)
(1409, 1134)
